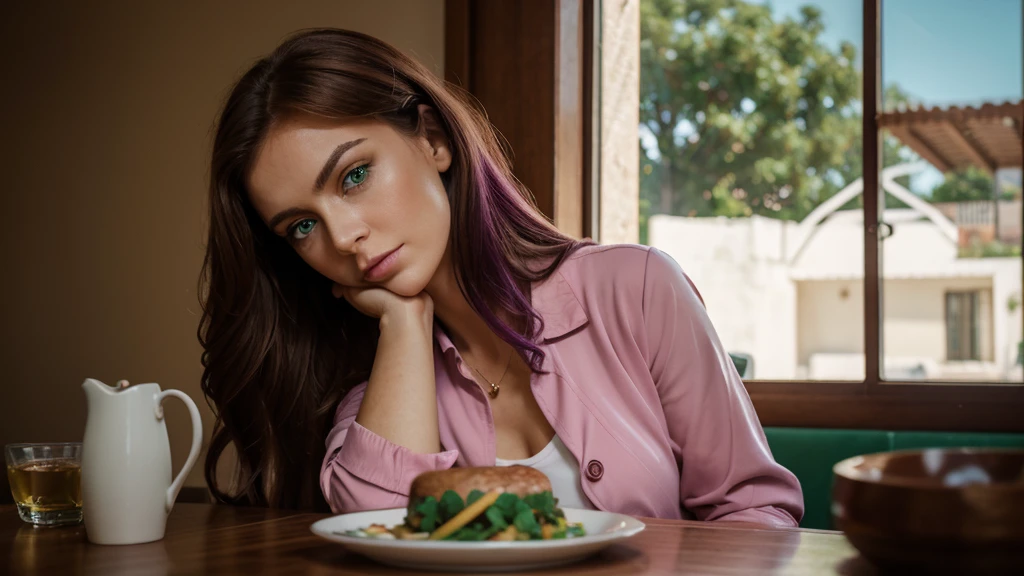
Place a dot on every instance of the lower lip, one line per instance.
(382, 268)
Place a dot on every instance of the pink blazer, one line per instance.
(637, 386)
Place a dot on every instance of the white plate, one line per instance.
(603, 528)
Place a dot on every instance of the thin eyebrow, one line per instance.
(321, 179)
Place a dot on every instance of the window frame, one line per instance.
(876, 402)
(556, 157)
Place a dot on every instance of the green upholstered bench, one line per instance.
(810, 453)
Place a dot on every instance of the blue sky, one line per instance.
(941, 52)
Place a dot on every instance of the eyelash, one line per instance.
(345, 176)
(293, 228)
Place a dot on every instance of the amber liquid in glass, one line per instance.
(47, 486)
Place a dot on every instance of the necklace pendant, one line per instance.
(494, 390)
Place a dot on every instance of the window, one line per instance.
(750, 131)
(951, 202)
(751, 177)
(842, 180)
(963, 311)
(826, 185)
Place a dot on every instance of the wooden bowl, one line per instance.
(956, 510)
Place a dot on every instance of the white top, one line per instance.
(561, 467)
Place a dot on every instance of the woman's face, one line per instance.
(361, 203)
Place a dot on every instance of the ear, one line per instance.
(433, 132)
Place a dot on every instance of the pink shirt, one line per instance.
(637, 386)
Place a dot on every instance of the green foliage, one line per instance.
(994, 249)
(750, 114)
(965, 185)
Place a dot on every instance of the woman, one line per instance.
(377, 277)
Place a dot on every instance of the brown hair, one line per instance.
(279, 351)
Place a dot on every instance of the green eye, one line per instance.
(303, 228)
(357, 176)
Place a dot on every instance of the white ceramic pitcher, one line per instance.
(127, 490)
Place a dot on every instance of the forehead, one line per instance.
(295, 149)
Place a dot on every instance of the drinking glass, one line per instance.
(46, 482)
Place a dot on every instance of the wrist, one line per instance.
(412, 315)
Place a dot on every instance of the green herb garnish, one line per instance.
(451, 504)
(473, 496)
(528, 515)
(428, 509)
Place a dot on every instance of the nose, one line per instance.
(347, 231)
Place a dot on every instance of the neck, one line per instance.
(468, 331)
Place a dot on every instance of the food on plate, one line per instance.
(496, 503)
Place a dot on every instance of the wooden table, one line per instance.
(212, 539)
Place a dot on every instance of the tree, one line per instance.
(964, 185)
(743, 114)
(893, 151)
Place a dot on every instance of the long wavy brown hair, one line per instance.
(279, 351)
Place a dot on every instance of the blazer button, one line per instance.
(595, 470)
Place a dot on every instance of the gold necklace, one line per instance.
(495, 386)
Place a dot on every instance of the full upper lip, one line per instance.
(374, 261)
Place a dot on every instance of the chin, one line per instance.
(413, 280)
(407, 283)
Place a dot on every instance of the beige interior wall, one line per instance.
(107, 110)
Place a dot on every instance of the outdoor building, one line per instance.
(790, 294)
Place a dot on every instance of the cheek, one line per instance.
(439, 204)
(429, 224)
(439, 217)
(422, 207)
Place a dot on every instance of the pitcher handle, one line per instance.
(197, 441)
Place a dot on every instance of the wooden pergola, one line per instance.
(988, 137)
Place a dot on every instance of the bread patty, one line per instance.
(518, 480)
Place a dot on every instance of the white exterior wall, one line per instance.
(830, 320)
(805, 319)
(915, 316)
(1007, 325)
(738, 267)
(916, 248)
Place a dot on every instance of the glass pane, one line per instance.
(951, 267)
(750, 174)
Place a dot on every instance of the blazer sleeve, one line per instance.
(727, 470)
(364, 471)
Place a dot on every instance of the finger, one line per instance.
(337, 290)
